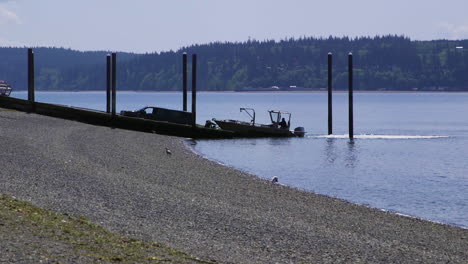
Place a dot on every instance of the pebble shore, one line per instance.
(126, 182)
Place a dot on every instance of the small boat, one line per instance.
(279, 127)
(5, 88)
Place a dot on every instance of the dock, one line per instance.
(101, 118)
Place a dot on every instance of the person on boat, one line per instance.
(283, 123)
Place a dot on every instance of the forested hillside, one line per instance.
(381, 63)
(55, 68)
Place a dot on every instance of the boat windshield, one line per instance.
(275, 117)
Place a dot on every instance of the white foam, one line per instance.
(370, 136)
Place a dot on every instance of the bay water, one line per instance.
(409, 154)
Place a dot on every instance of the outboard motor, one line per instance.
(299, 132)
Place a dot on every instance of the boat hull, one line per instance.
(244, 129)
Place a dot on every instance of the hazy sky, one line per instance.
(159, 25)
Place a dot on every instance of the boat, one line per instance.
(279, 127)
(5, 88)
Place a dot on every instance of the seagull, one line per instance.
(168, 151)
(274, 180)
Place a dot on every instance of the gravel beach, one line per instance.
(126, 182)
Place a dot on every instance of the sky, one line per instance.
(161, 25)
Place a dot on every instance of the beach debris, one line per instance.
(168, 151)
(274, 180)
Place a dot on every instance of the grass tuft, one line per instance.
(59, 238)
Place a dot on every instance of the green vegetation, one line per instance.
(55, 68)
(39, 235)
(381, 63)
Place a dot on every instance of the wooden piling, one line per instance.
(194, 89)
(31, 97)
(184, 81)
(108, 83)
(330, 108)
(114, 83)
(350, 93)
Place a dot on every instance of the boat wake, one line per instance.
(370, 136)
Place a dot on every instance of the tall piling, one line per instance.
(108, 83)
(350, 95)
(31, 97)
(184, 81)
(194, 90)
(114, 82)
(330, 108)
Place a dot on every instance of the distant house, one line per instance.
(5, 88)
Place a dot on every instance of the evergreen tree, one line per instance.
(382, 62)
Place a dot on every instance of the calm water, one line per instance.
(410, 154)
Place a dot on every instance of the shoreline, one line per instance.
(190, 148)
(125, 181)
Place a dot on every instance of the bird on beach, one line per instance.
(168, 151)
(274, 180)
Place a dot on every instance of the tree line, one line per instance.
(380, 63)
